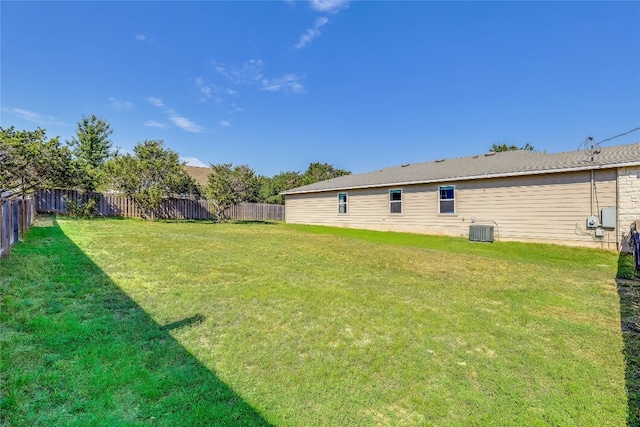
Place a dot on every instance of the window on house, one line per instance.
(342, 203)
(447, 199)
(395, 201)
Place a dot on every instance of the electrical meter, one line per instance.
(593, 222)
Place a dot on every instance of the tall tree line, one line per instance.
(29, 161)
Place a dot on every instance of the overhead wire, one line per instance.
(617, 136)
(592, 148)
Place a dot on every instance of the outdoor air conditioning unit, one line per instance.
(481, 233)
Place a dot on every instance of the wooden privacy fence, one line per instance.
(255, 211)
(16, 216)
(56, 201)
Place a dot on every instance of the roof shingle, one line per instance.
(489, 165)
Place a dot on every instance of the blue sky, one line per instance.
(361, 85)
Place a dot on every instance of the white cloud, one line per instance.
(214, 93)
(154, 124)
(32, 116)
(205, 89)
(323, 6)
(143, 38)
(193, 161)
(288, 83)
(120, 105)
(328, 6)
(155, 101)
(250, 71)
(225, 123)
(178, 120)
(251, 74)
(311, 33)
(183, 123)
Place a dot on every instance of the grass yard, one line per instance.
(125, 322)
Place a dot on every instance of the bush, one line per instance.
(82, 208)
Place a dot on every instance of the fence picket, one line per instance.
(16, 216)
(53, 201)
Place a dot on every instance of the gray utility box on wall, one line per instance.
(608, 217)
(481, 233)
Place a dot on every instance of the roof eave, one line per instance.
(467, 178)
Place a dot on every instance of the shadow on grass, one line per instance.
(184, 221)
(628, 283)
(252, 221)
(189, 321)
(76, 350)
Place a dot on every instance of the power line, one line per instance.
(617, 136)
(592, 148)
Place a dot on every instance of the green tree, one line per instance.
(498, 148)
(270, 188)
(29, 161)
(228, 185)
(91, 148)
(148, 176)
(320, 172)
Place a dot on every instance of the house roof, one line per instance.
(198, 173)
(489, 165)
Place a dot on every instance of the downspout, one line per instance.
(591, 192)
(618, 209)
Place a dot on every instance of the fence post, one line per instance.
(16, 223)
(32, 211)
(3, 229)
(6, 225)
(20, 218)
(635, 237)
(23, 216)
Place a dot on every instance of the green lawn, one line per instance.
(126, 322)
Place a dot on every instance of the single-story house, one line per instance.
(579, 198)
(200, 174)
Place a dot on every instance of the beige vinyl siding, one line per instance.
(544, 208)
(550, 208)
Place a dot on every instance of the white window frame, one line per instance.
(391, 202)
(345, 203)
(440, 200)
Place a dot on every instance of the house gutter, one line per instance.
(618, 236)
(467, 178)
(592, 190)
